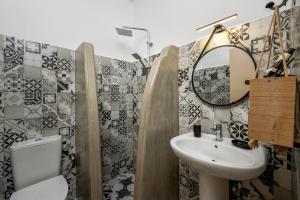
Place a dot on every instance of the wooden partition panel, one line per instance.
(157, 166)
(89, 181)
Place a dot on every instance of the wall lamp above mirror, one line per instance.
(217, 23)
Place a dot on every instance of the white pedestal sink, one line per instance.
(218, 162)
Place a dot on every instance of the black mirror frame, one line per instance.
(198, 60)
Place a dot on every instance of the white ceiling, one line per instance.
(66, 23)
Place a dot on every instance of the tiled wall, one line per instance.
(212, 84)
(36, 99)
(120, 86)
(276, 181)
(116, 97)
(120, 90)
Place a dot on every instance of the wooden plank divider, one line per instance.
(88, 151)
(157, 166)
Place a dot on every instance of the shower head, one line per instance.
(139, 58)
(124, 32)
(136, 56)
(135, 28)
(127, 31)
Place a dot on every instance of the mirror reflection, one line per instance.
(219, 75)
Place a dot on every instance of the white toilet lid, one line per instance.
(51, 189)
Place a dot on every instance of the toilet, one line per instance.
(36, 170)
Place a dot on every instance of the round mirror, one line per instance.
(219, 75)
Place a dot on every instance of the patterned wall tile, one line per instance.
(49, 81)
(32, 59)
(8, 177)
(32, 73)
(50, 62)
(29, 105)
(33, 111)
(48, 50)
(49, 98)
(13, 98)
(12, 58)
(64, 103)
(1, 82)
(16, 71)
(240, 111)
(188, 181)
(2, 41)
(64, 53)
(33, 98)
(33, 47)
(63, 77)
(48, 109)
(119, 188)
(238, 130)
(282, 158)
(50, 121)
(13, 132)
(240, 32)
(64, 120)
(65, 131)
(14, 43)
(258, 43)
(13, 83)
(63, 65)
(33, 128)
(13, 105)
(14, 112)
(116, 115)
(32, 86)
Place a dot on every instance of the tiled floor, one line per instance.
(119, 188)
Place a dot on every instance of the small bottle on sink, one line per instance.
(197, 128)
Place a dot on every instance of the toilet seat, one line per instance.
(55, 188)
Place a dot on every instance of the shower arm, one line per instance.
(149, 43)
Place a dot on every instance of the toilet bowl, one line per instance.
(55, 188)
(36, 170)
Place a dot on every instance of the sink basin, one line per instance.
(217, 162)
(220, 159)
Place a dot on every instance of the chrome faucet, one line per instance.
(218, 132)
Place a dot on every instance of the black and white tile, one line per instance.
(121, 187)
(31, 101)
(234, 119)
(116, 102)
(38, 97)
(13, 105)
(33, 111)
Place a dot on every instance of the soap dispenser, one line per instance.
(197, 128)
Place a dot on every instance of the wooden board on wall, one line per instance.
(88, 151)
(272, 110)
(157, 166)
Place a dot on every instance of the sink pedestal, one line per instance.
(213, 188)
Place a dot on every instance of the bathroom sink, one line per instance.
(219, 158)
(218, 162)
